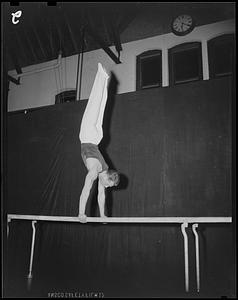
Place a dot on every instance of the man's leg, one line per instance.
(102, 109)
(90, 131)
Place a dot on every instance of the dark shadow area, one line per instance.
(108, 114)
(203, 246)
(92, 204)
(233, 170)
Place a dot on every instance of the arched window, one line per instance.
(185, 63)
(221, 55)
(149, 69)
(66, 96)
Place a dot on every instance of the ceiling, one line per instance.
(44, 30)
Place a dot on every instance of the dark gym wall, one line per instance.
(173, 148)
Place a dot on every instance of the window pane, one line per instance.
(67, 96)
(222, 59)
(221, 55)
(150, 71)
(186, 65)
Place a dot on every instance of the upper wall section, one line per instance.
(155, 18)
(40, 89)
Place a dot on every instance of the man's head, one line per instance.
(109, 178)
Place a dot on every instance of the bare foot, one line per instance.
(103, 70)
(82, 218)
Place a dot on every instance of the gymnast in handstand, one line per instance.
(91, 134)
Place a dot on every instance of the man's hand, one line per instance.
(104, 217)
(82, 218)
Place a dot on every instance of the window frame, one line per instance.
(139, 59)
(221, 39)
(182, 48)
(62, 96)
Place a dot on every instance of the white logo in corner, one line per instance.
(16, 15)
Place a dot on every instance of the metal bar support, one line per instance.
(29, 276)
(194, 226)
(183, 226)
(8, 221)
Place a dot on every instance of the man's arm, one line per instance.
(91, 176)
(101, 199)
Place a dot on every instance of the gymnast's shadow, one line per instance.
(108, 115)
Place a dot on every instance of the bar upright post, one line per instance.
(183, 226)
(197, 256)
(8, 222)
(29, 276)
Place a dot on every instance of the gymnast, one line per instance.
(91, 133)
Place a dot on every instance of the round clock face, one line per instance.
(182, 25)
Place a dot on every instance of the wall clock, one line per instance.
(182, 25)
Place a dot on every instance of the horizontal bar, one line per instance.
(124, 219)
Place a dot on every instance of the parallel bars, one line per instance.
(184, 221)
